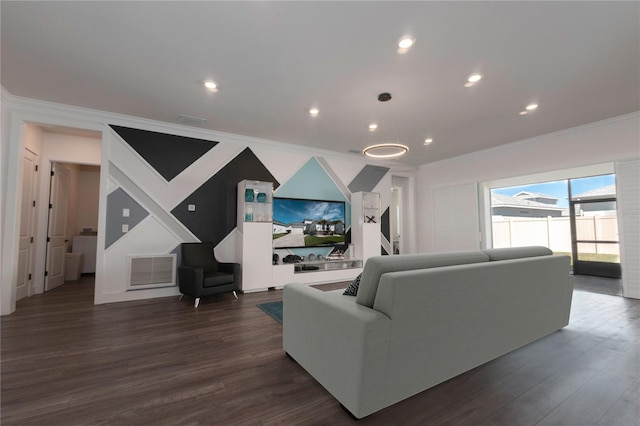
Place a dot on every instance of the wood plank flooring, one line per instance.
(65, 361)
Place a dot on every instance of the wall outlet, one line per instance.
(191, 207)
(125, 212)
(125, 228)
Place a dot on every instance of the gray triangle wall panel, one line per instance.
(168, 154)
(368, 178)
(117, 201)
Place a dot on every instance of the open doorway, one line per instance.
(72, 223)
(575, 216)
(59, 202)
(398, 214)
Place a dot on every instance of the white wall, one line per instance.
(605, 141)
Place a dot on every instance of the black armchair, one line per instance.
(201, 275)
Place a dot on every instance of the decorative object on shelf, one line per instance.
(275, 258)
(262, 197)
(311, 257)
(320, 257)
(292, 258)
(248, 215)
(249, 195)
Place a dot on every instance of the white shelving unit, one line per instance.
(365, 224)
(255, 233)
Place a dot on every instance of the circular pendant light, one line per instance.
(385, 150)
(389, 149)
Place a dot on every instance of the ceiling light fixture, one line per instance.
(390, 149)
(211, 85)
(473, 79)
(428, 141)
(372, 127)
(531, 107)
(405, 43)
(314, 112)
(523, 112)
(385, 150)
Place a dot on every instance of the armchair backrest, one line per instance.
(199, 255)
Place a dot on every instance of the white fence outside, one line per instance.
(555, 233)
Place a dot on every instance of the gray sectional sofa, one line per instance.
(421, 319)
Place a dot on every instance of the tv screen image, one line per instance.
(308, 223)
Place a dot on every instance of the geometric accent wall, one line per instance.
(216, 199)
(167, 154)
(117, 201)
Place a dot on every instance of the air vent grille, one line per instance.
(150, 271)
(193, 121)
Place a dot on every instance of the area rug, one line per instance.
(273, 309)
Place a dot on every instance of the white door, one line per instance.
(57, 231)
(27, 223)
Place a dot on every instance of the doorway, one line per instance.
(398, 214)
(47, 234)
(72, 223)
(595, 240)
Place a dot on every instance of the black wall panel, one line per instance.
(215, 200)
(168, 154)
(385, 227)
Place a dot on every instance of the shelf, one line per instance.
(326, 265)
(254, 201)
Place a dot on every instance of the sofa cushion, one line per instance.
(378, 265)
(517, 252)
(352, 290)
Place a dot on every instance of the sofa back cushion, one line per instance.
(378, 265)
(517, 252)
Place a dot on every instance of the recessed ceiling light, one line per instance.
(211, 85)
(531, 107)
(372, 127)
(468, 84)
(428, 141)
(474, 78)
(385, 150)
(314, 112)
(406, 42)
(523, 112)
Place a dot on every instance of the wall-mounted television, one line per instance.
(308, 223)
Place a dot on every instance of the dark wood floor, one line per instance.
(161, 362)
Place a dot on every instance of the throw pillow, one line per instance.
(352, 290)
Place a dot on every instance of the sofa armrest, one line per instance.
(343, 345)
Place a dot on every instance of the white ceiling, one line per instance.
(274, 60)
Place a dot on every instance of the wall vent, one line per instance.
(151, 271)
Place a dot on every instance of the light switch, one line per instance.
(191, 207)
(125, 228)
(125, 212)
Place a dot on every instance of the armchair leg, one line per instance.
(234, 294)
(181, 296)
(195, 305)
